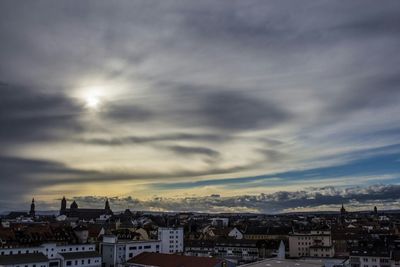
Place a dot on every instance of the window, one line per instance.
(88, 261)
(83, 261)
(76, 262)
(69, 263)
(147, 247)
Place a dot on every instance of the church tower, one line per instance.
(342, 210)
(107, 207)
(63, 206)
(32, 211)
(342, 214)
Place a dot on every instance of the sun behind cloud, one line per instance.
(93, 98)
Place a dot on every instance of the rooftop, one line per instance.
(284, 263)
(172, 260)
(23, 258)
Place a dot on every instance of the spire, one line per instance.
(107, 205)
(342, 210)
(32, 210)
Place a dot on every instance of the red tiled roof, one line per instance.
(173, 260)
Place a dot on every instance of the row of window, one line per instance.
(375, 260)
(77, 249)
(34, 265)
(89, 261)
(142, 247)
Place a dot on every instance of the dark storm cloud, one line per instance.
(371, 25)
(234, 111)
(20, 176)
(28, 115)
(127, 113)
(24, 175)
(190, 150)
(273, 155)
(372, 92)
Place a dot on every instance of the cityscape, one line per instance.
(76, 236)
(211, 133)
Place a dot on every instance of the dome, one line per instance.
(74, 205)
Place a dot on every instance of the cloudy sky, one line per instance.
(261, 106)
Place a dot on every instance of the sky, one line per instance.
(210, 106)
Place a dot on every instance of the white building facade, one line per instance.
(371, 258)
(311, 244)
(51, 250)
(115, 252)
(171, 239)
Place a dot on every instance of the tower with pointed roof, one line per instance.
(32, 210)
(342, 210)
(107, 207)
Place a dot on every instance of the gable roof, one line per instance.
(173, 260)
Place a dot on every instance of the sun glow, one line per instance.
(93, 99)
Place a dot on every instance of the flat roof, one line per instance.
(80, 255)
(23, 258)
(172, 260)
(284, 263)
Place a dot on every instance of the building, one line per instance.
(256, 233)
(81, 259)
(235, 250)
(370, 258)
(235, 233)
(115, 251)
(26, 260)
(148, 259)
(284, 263)
(263, 233)
(84, 214)
(220, 222)
(52, 251)
(317, 243)
(171, 239)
